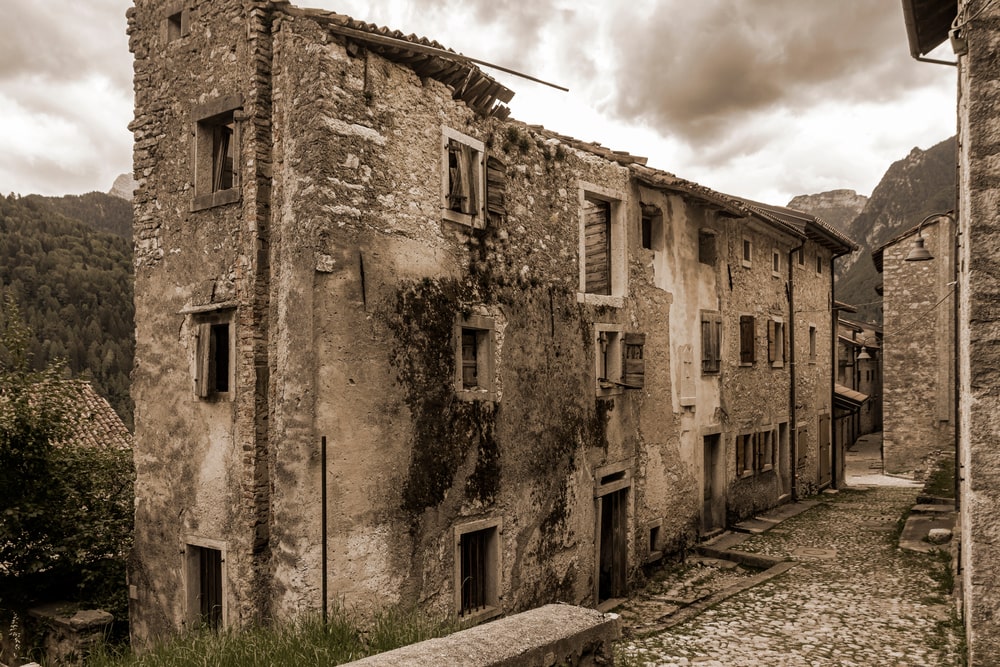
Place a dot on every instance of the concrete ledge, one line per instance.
(555, 634)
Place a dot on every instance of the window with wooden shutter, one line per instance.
(748, 351)
(474, 352)
(776, 342)
(463, 180)
(711, 340)
(597, 246)
(633, 362)
(213, 359)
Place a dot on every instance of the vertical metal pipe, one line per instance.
(793, 426)
(322, 457)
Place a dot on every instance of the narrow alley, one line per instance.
(849, 596)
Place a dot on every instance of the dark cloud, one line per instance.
(698, 70)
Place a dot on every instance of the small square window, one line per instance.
(474, 352)
(747, 253)
(706, 247)
(462, 183)
(477, 569)
(174, 26)
(214, 362)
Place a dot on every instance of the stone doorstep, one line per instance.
(935, 508)
(918, 526)
(764, 522)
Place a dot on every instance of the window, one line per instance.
(706, 247)
(763, 451)
(744, 454)
(216, 170)
(748, 348)
(462, 183)
(711, 342)
(214, 358)
(776, 343)
(634, 363)
(474, 352)
(651, 227)
(597, 229)
(477, 569)
(174, 22)
(775, 263)
(747, 253)
(812, 343)
(819, 263)
(603, 276)
(174, 26)
(800, 256)
(205, 575)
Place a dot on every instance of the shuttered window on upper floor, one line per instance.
(597, 244)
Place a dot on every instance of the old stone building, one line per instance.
(394, 348)
(919, 318)
(973, 30)
(858, 388)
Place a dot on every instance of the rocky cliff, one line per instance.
(838, 207)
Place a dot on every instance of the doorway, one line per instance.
(613, 547)
(713, 500)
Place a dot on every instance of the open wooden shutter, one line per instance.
(772, 348)
(203, 355)
(597, 244)
(633, 363)
(711, 330)
(747, 343)
(496, 187)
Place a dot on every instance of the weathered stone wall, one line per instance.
(919, 366)
(200, 468)
(979, 361)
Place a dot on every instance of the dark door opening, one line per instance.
(614, 549)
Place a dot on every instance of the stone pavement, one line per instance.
(852, 598)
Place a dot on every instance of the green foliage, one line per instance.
(65, 511)
(303, 642)
(73, 284)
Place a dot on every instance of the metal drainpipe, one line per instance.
(793, 428)
(834, 319)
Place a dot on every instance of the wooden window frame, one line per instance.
(617, 246)
(775, 263)
(744, 454)
(776, 342)
(484, 328)
(746, 252)
(211, 383)
(471, 154)
(193, 582)
(217, 139)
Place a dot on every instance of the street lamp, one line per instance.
(918, 253)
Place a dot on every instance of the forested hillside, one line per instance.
(73, 284)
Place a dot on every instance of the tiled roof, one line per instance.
(93, 423)
(815, 228)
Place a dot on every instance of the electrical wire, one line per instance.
(955, 25)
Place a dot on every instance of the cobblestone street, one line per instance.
(853, 598)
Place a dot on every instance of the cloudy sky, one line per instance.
(760, 98)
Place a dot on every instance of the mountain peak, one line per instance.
(838, 207)
(123, 187)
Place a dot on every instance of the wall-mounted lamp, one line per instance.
(918, 253)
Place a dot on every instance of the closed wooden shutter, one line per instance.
(633, 363)
(597, 244)
(747, 344)
(711, 330)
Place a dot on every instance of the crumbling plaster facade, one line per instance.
(330, 270)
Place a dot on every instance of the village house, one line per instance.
(858, 389)
(971, 29)
(395, 348)
(919, 357)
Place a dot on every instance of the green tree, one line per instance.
(65, 507)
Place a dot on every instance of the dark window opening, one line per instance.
(706, 248)
(477, 552)
(174, 26)
(614, 549)
(748, 349)
(747, 254)
(214, 359)
(654, 539)
(647, 232)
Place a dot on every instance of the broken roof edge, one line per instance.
(427, 58)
